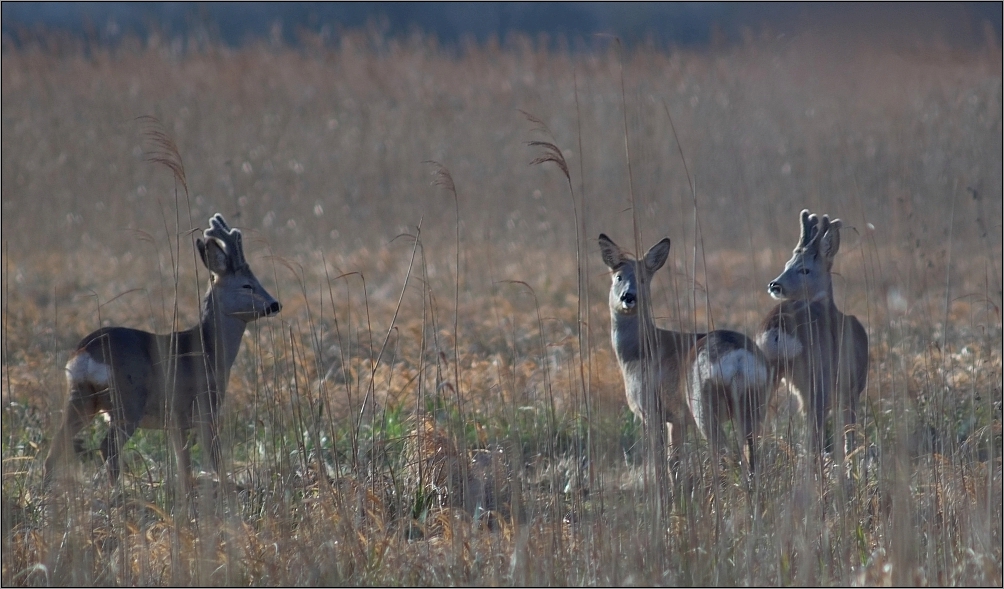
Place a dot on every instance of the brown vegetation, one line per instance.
(399, 322)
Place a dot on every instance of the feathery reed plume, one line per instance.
(551, 152)
(442, 177)
(162, 149)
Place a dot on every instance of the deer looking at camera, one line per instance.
(717, 376)
(175, 381)
(811, 344)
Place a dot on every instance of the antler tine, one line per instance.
(809, 222)
(819, 227)
(824, 225)
(231, 239)
(219, 220)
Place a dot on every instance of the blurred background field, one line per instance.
(447, 409)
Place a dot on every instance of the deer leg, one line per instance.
(675, 434)
(847, 396)
(211, 444)
(118, 435)
(713, 403)
(849, 410)
(206, 413)
(749, 424)
(818, 404)
(179, 442)
(817, 424)
(78, 413)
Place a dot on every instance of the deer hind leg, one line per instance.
(126, 410)
(80, 410)
(714, 410)
(745, 423)
(118, 434)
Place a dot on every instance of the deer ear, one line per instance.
(212, 256)
(611, 252)
(829, 242)
(656, 256)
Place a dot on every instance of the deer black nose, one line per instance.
(628, 298)
(273, 308)
(774, 288)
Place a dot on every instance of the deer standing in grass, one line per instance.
(175, 381)
(718, 376)
(811, 344)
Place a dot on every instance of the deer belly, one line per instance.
(156, 415)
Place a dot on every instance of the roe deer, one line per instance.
(175, 381)
(719, 375)
(810, 343)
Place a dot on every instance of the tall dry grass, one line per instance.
(438, 402)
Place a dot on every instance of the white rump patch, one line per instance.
(743, 367)
(82, 368)
(776, 344)
(738, 367)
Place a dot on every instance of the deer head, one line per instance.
(806, 276)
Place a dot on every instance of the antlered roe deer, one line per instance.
(718, 376)
(174, 381)
(819, 350)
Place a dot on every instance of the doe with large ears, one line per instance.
(716, 376)
(811, 344)
(175, 381)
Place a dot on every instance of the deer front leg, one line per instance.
(674, 432)
(211, 442)
(819, 405)
(808, 378)
(849, 390)
(179, 442)
(206, 416)
(848, 400)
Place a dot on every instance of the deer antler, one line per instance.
(230, 239)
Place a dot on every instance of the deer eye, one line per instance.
(804, 271)
(619, 278)
(248, 286)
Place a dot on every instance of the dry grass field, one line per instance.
(438, 401)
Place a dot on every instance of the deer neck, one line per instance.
(828, 301)
(629, 331)
(221, 336)
(829, 305)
